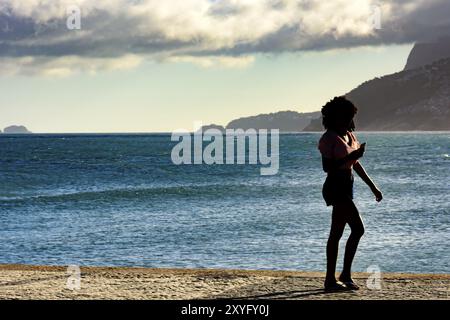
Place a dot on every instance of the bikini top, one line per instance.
(333, 146)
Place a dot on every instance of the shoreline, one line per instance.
(50, 282)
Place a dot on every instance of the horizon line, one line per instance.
(191, 132)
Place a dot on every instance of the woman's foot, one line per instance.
(333, 285)
(349, 283)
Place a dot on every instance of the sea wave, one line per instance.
(203, 190)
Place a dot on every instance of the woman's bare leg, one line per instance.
(357, 230)
(338, 222)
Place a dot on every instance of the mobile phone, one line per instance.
(363, 145)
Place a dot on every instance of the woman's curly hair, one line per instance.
(340, 108)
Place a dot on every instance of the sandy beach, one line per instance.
(48, 282)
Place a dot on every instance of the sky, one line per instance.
(160, 66)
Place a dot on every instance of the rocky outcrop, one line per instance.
(423, 54)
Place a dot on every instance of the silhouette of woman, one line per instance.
(340, 153)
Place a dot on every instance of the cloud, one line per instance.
(215, 61)
(66, 65)
(118, 34)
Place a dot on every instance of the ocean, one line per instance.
(118, 200)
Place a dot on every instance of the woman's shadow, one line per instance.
(291, 294)
(263, 291)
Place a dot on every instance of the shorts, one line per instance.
(338, 186)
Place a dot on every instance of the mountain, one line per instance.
(16, 130)
(417, 99)
(285, 121)
(427, 53)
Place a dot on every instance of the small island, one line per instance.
(16, 130)
(212, 126)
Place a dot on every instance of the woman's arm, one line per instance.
(359, 169)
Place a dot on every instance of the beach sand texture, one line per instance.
(46, 282)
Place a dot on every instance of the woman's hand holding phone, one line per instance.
(355, 155)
